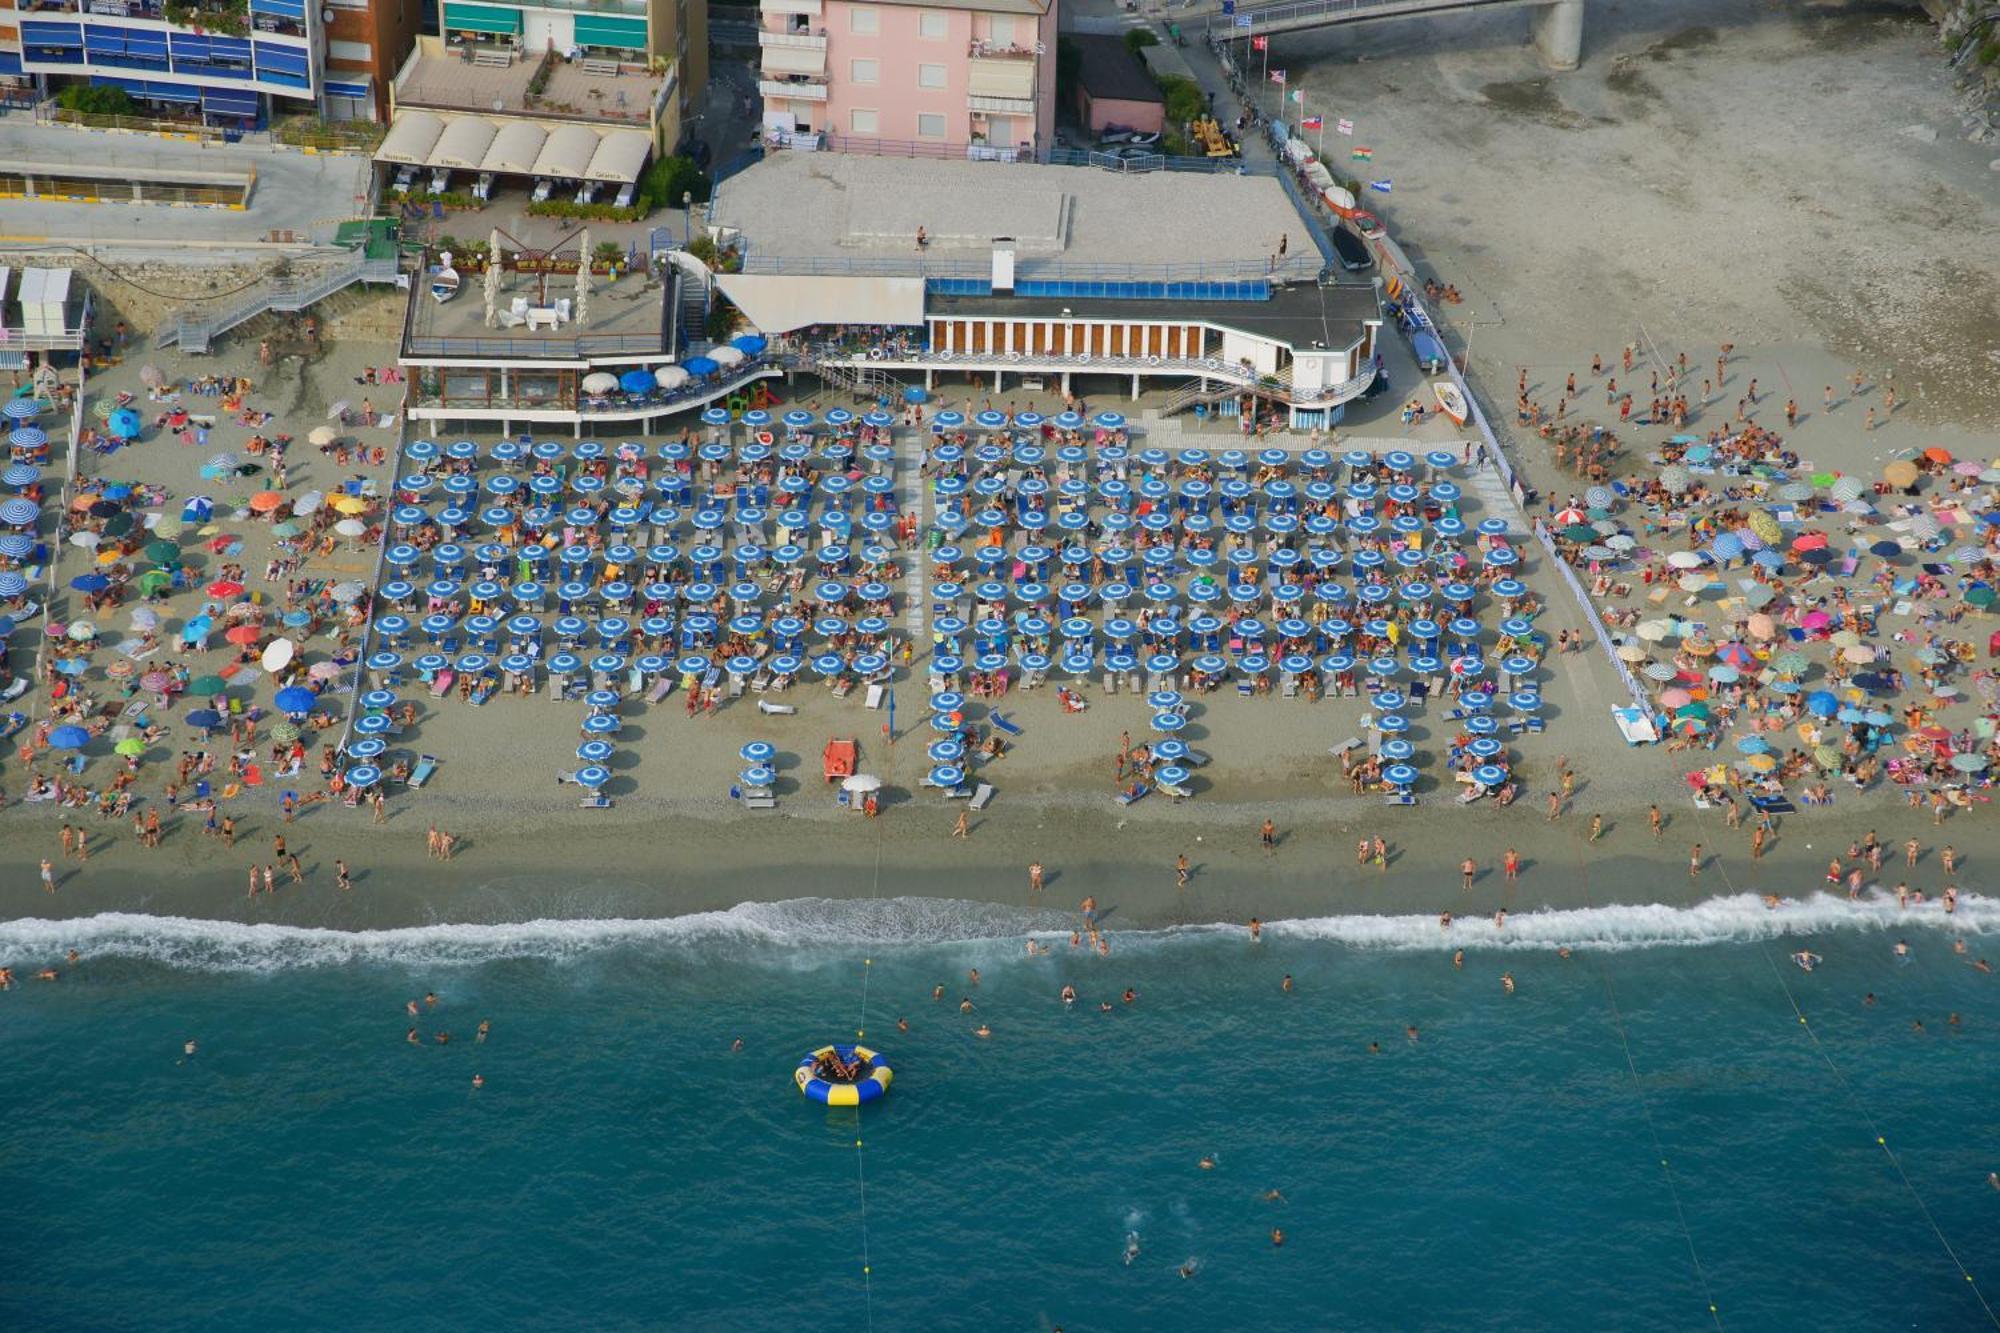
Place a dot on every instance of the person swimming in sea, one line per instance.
(982, 1031)
(1188, 1269)
(1068, 994)
(1131, 1247)
(1507, 982)
(1806, 961)
(902, 1025)
(965, 1006)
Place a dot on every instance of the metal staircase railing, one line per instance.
(194, 331)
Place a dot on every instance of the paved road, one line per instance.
(306, 195)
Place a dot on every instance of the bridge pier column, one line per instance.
(1558, 29)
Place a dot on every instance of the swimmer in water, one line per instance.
(1806, 961)
(1507, 982)
(1104, 1006)
(1256, 929)
(736, 1045)
(937, 992)
(1410, 1032)
(1981, 965)
(486, 1026)
(902, 1025)
(975, 976)
(189, 1047)
(1902, 949)
(478, 1081)
(430, 999)
(1563, 953)
(1277, 1236)
(1458, 958)
(1068, 994)
(1500, 919)
(1272, 1196)
(1187, 1269)
(1131, 1247)
(1207, 1164)
(443, 1038)
(46, 974)
(982, 1031)
(1958, 945)
(965, 1006)
(411, 1037)
(1131, 996)
(1916, 1025)
(411, 1008)
(1286, 984)
(1444, 920)
(75, 957)
(1374, 1048)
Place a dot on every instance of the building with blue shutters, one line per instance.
(232, 62)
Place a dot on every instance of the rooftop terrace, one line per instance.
(451, 82)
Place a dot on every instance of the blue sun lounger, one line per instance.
(1005, 723)
(426, 765)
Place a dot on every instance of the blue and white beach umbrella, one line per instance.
(593, 776)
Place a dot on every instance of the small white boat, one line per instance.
(444, 285)
(1450, 401)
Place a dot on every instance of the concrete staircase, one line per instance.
(194, 331)
(866, 383)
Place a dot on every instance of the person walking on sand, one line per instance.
(68, 841)
(1268, 835)
(1089, 909)
(253, 882)
(1467, 869)
(1555, 806)
(431, 842)
(1181, 870)
(1694, 862)
(83, 844)
(380, 805)
(341, 877)
(1653, 817)
(1910, 851)
(48, 876)
(1034, 877)
(1596, 827)
(1757, 843)
(1512, 864)
(963, 827)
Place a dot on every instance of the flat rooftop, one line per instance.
(626, 315)
(451, 83)
(1298, 315)
(796, 205)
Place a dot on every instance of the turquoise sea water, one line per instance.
(624, 1167)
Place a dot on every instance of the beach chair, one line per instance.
(1004, 723)
(597, 800)
(661, 688)
(1179, 793)
(981, 796)
(1399, 798)
(765, 802)
(1471, 794)
(1138, 793)
(768, 708)
(875, 696)
(441, 685)
(426, 765)
(1195, 759)
(1780, 804)
(1338, 750)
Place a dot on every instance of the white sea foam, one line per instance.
(818, 924)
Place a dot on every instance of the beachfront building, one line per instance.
(367, 41)
(227, 63)
(873, 272)
(972, 79)
(602, 38)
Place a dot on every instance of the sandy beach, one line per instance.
(1674, 265)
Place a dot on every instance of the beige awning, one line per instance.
(463, 144)
(620, 156)
(566, 152)
(514, 148)
(779, 303)
(1002, 78)
(411, 138)
(781, 60)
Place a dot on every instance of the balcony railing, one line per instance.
(799, 41)
(806, 90)
(1000, 106)
(980, 50)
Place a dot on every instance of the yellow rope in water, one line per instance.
(860, 1163)
(1854, 1100)
(1646, 1106)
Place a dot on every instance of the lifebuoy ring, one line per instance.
(869, 1084)
(765, 437)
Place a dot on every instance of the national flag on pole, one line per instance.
(1259, 43)
(1229, 6)
(1362, 154)
(1297, 94)
(1380, 187)
(1344, 126)
(1277, 76)
(1312, 122)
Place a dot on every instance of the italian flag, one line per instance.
(1363, 154)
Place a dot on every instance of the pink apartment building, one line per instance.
(976, 78)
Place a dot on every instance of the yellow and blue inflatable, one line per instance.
(871, 1079)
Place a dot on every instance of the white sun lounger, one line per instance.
(778, 710)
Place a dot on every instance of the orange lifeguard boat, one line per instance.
(837, 760)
